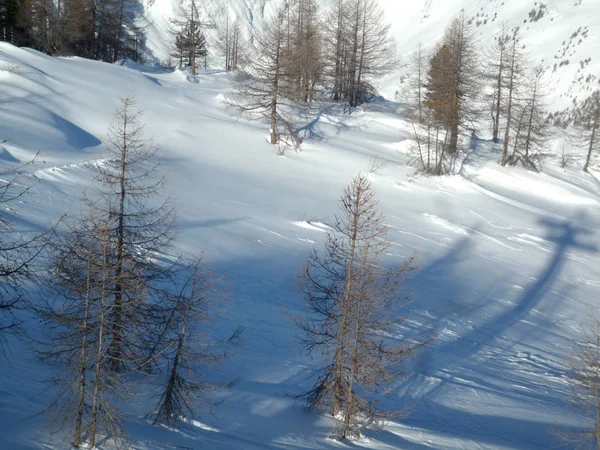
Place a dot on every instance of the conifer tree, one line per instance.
(141, 217)
(362, 49)
(352, 304)
(20, 250)
(260, 95)
(496, 72)
(591, 123)
(190, 41)
(452, 85)
(77, 321)
(532, 131)
(514, 74)
(189, 348)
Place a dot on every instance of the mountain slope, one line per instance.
(509, 259)
(562, 35)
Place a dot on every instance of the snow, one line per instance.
(509, 260)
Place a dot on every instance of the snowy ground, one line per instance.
(509, 258)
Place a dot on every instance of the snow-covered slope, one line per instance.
(562, 35)
(509, 259)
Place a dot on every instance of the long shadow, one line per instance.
(565, 237)
(484, 429)
(212, 223)
(452, 361)
(31, 135)
(75, 136)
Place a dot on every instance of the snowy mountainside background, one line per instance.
(562, 35)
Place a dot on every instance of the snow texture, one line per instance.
(509, 258)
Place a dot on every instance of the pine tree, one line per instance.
(39, 18)
(9, 10)
(116, 34)
(75, 31)
(190, 41)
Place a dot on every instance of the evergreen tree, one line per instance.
(190, 42)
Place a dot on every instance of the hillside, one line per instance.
(509, 259)
(563, 35)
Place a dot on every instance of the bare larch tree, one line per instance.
(591, 123)
(259, 93)
(361, 48)
(497, 63)
(513, 81)
(532, 131)
(353, 305)
(77, 326)
(141, 218)
(190, 349)
(18, 250)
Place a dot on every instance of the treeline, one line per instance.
(456, 88)
(99, 29)
(307, 52)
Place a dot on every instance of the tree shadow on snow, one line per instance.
(485, 359)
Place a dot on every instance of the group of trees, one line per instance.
(117, 310)
(447, 89)
(517, 101)
(301, 57)
(99, 29)
(585, 117)
(442, 97)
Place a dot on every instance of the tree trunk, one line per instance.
(117, 338)
(510, 102)
(595, 125)
(83, 357)
(496, 130)
(273, 131)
